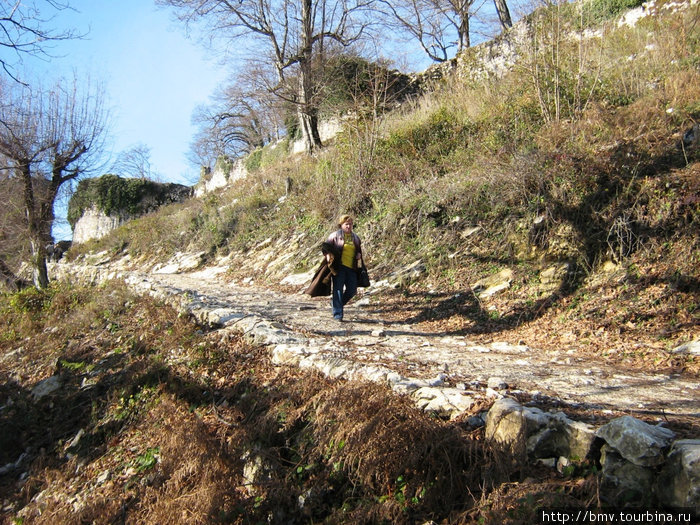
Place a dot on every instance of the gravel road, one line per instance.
(496, 368)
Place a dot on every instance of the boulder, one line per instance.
(540, 434)
(509, 424)
(678, 485)
(637, 441)
(623, 482)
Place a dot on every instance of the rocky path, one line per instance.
(446, 373)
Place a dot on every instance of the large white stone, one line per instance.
(637, 441)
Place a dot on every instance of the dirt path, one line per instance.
(450, 361)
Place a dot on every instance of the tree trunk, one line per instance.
(36, 227)
(40, 273)
(308, 120)
(308, 114)
(463, 30)
(503, 13)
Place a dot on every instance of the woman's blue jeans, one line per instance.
(344, 289)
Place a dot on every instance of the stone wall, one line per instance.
(641, 465)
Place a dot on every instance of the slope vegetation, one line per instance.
(573, 176)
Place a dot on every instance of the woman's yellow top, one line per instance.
(348, 255)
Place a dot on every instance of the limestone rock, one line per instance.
(691, 348)
(580, 438)
(94, 224)
(225, 172)
(679, 482)
(637, 441)
(402, 276)
(298, 279)
(624, 482)
(46, 387)
(445, 401)
(553, 276)
(540, 434)
(286, 354)
(181, 262)
(508, 423)
(493, 284)
(497, 383)
(256, 471)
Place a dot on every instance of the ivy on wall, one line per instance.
(114, 195)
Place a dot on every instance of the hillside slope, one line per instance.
(564, 187)
(574, 183)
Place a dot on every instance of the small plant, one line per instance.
(129, 407)
(147, 460)
(31, 300)
(74, 366)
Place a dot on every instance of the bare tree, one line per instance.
(135, 162)
(24, 28)
(293, 34)
(48, 138)
(439, 26)
(244, 115)
(14, 247)
(503, 13)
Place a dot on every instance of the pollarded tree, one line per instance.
(291, 34)
(48, 138)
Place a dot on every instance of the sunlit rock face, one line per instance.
(94, 224)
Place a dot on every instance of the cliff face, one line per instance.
(94, 224)
(224, 173)
(100, 205)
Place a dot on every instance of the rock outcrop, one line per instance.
(102, 204)
(95, 224)
(640, 464)
(225, 172)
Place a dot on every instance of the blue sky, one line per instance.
(153, 76)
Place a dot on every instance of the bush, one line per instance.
(602, 10)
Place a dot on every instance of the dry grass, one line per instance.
(185, 427)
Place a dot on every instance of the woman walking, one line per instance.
(343, 253)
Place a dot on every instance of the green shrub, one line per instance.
(253, 160)
(116, 195)
(602, 10)
(31, 300)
